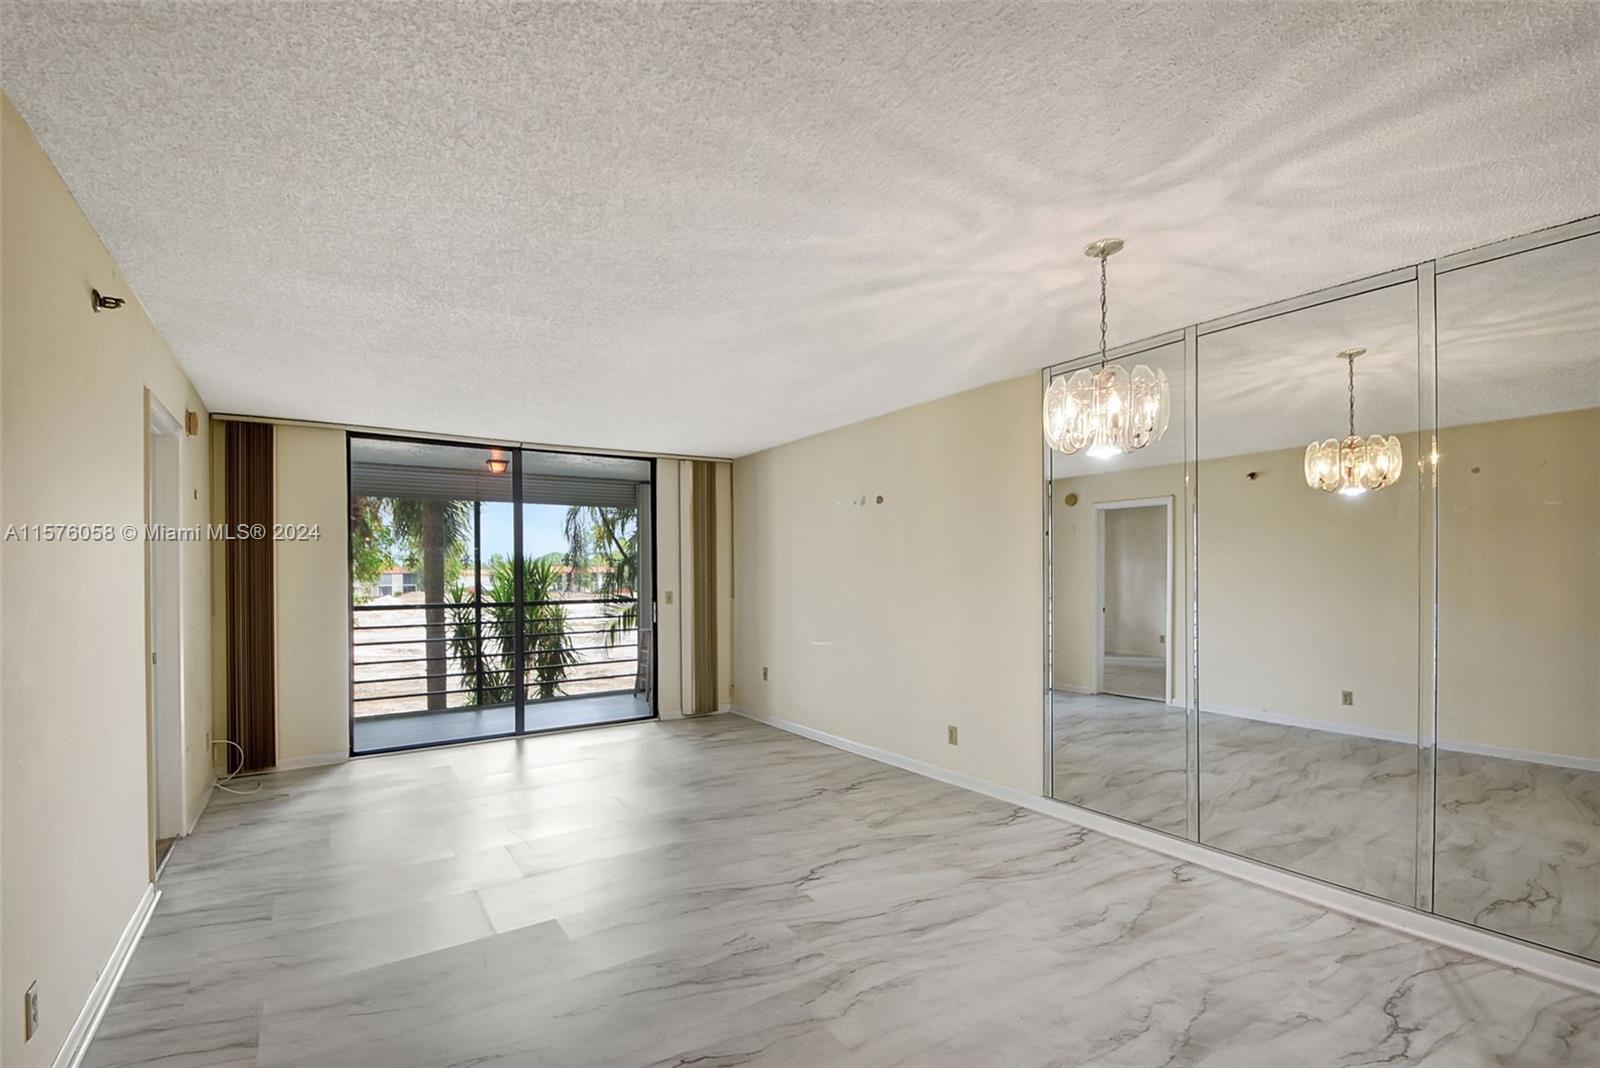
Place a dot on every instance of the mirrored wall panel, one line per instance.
(1308, 578)
(1518, 817)
(1119, 659)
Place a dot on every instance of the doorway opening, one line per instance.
(1133, 581)
(164, 679)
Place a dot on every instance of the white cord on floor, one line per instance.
(222, 783)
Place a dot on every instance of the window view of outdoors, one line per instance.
(436, 595)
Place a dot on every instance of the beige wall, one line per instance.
(1305, 594)
(73, 726)
(884, 623)
(312, 614)
(1519, 580)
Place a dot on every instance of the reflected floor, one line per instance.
(1122, 756)
(1519, 843)
(1135, 677)
(373, 733)
(1519, 850)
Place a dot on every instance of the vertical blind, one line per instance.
(703, 490)
(252, 686)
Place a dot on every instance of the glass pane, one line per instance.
(1308, 597)
(1518, 815)
(431, 660)
(584, 538)
(1120, 660)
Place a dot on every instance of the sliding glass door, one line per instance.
(588, 656)
(495, 592)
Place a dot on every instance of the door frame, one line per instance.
(1100, 510)
(167, 793)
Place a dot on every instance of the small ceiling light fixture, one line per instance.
(497, 465)
(1354, 465)
(1107, 411)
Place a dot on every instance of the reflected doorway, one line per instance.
(1134, 604)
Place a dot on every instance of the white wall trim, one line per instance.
(1547, 964)
(311, 760)
(1531, 756)
(1354, 730)
(94, 1010)
(1131, 660)
(1449, 745)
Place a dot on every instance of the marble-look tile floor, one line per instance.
(715, 892)
(1518, 843)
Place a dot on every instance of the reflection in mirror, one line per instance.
(1118, 690)
(1308, 600)
(1518, 816)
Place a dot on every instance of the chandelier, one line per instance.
(1107, 411)
(1354, 465)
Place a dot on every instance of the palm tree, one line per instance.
(614, 537)
(437, 530)
(576, 527)
(547, 646)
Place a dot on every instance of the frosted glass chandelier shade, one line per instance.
(1107, 410)
(1353, 465)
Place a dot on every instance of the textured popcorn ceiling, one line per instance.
(714, 229)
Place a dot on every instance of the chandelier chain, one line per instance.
(1103, 258)
(1351, 360)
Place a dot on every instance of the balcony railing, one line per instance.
(459, 655)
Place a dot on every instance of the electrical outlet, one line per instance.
(950, 735)
(30, 1011)
(763, 673)
(1347, 697)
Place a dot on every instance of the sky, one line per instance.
(541, 529)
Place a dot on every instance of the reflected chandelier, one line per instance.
(1354, 465)
(1107, 411)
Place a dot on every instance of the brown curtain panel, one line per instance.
(252, 696)
(703, 553)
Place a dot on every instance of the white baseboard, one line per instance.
(1547, 964)
(94, 1010)
(313, 760)
(1133, 660)
(1354, 730)
(1530, 756)
(1449, 745)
